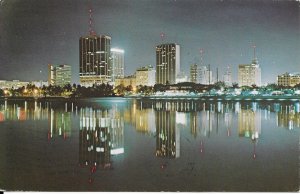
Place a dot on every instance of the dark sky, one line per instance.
(34, 33)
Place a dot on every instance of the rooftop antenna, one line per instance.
(201, 56)
(254, 46)
(162, 36)
(91, 30)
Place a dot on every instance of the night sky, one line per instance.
(34, 33)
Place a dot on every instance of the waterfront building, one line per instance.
(5, 84)
(94, 59)
(117, 64)
(167, 63)
(59, 75)
(127, 81)
(145, 76)
(288, 79)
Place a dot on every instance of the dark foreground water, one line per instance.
(134, 145)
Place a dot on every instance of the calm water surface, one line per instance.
(149, 145)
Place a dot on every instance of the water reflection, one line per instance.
(59, 124)
(175, 131)
(167, 134)
(101, 136)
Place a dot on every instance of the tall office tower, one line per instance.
(227, 76)
(117, 64)
(194, 73)
(59, 75)
(250, 74)
(205, 75)
(167, 63)
(94, 59)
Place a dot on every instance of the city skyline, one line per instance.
(34, 33)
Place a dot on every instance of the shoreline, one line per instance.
(201, 98)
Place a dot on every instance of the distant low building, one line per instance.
(145, 76)
(4, 84)
(39, 83)
(288, 79)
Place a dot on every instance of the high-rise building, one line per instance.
(194, 73)
(167, 63)
(227, 76)
(94, 59)
(205, 75)
(288, 79)
(117, 64)
(59, 75)
(145, 76)
(250, 74)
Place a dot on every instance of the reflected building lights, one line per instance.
(59, 124)
(101, 135)
(289, 119)
(249, 123)
(167, 135)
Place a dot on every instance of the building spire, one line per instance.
(254, 61)
(162, 36)
(201, 56)
(91, 30)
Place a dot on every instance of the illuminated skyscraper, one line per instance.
(167, 63)
(94, 60)
(117, 64)
(250, 74)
